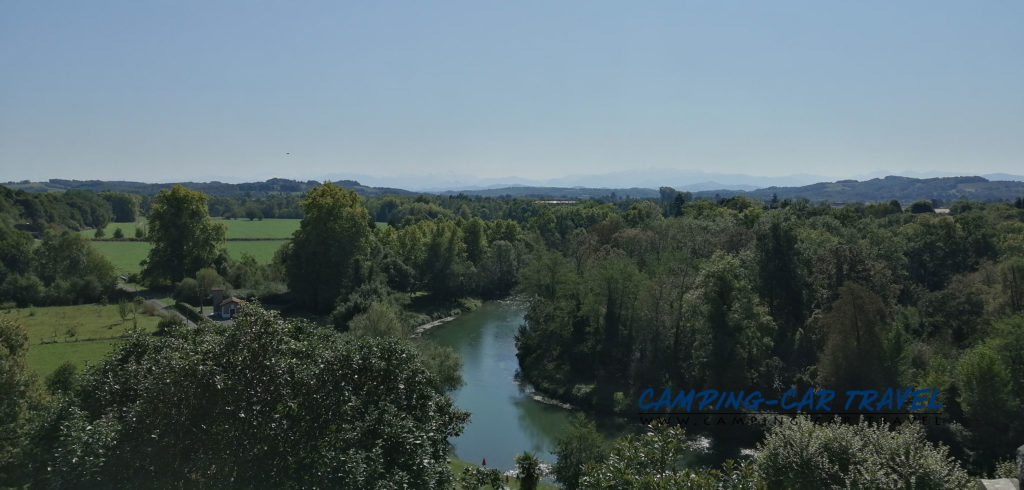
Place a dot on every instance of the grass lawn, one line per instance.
(457, 465)
(90, 322)
(94, 327)
(44, 359)
(126, 255)
(268, 228)
(262, 250)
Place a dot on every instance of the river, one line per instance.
(505, 420)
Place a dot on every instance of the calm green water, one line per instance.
(505, 420)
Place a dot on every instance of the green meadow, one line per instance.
(126, 256)
(237, 228)
(78, 333)
(259, 238)
(268, 228)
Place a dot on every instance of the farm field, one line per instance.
(44, 359)
(268, 228)
(237, 228)
(95, 328)
(126, 255)
(262, 250)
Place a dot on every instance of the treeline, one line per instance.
(71, 210)
(250, 190)
(741, 295)
(340, 261)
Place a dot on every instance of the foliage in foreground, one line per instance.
(655, 460)
(804, 455)
(580, 444)
(19, 397)
(798, 455)
(265, 402)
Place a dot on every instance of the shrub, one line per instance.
(187, 291)
(804, 455)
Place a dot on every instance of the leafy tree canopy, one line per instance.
(183, 236)
(263, 403)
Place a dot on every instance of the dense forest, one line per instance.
(739, 295)
(624, 295)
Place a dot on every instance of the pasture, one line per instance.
(237, 228)
(72, 333)
(268, 228)
(126, 256)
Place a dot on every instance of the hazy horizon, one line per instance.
(164, 91)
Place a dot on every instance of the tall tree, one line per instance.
(124, 206)
(579, 445)
(183, 236)
(324, 259)
(726, 310)
(19, 397)
(781, 283)
(854, 331)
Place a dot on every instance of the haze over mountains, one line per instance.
(685, 180)
(993, 187)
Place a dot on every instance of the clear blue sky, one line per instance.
(177, 90)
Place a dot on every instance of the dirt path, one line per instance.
(157, 305)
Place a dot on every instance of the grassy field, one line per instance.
(262, 250)
(81, 333)
(237, 228)
(44, 359)
(268, 228)
(126, 255)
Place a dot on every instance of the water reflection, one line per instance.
(505, 420)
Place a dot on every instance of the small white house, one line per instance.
(224, 308)
(228, 307)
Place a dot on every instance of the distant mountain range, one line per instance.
(647, 178)
(905, 189)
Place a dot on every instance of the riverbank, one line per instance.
(416, 332)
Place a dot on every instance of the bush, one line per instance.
(804, 455)
(655, 460)
(187, 291)
(579, 445)
(64, 380)
(25, 290)
(168, 325)
(118, 233)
